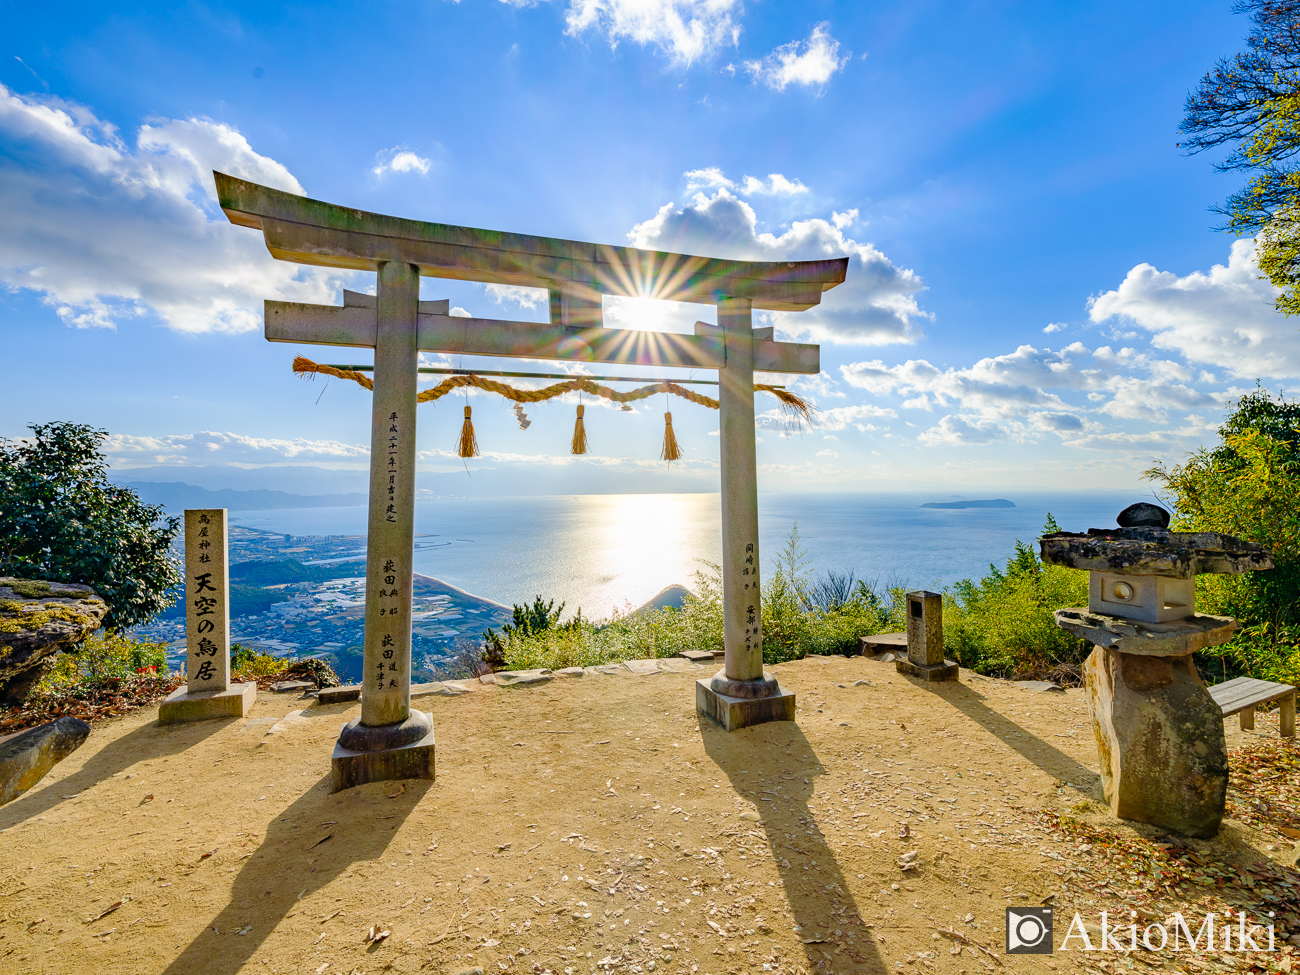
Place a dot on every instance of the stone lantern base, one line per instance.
(1160, 739)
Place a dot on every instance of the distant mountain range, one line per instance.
(176, 497)
(272, 487)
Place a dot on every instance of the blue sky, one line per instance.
(1036, 293)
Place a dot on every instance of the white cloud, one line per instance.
(106, 231)
(876, 304)
(712, 178)
(1023, 394)
(399, 161)
(845, 220)
(839, 417)
(687, 30)
(219, 447)
(1224, 317)
(953, 430)
(827, 453)
(513, 294)
(776, 185)
(809, 63)
(1051, 327)
(819, 385)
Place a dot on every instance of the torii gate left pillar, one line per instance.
(389, 740)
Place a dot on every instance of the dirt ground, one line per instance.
(588, 824)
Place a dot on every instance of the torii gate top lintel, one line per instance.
(307, 231)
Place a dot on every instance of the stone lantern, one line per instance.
(1160, 737)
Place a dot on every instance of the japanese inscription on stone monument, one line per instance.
(207, 600)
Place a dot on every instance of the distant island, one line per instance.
(995, 503)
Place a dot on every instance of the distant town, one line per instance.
(298, 596)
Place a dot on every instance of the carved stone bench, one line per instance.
(1243, 694)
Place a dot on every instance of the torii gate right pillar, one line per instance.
(740, 695)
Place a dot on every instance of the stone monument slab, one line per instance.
(208, 692)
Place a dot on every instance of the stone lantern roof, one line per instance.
(1154, 552)
(1142, 582)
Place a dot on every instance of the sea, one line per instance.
(608, 552)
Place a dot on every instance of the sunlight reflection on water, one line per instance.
(617, 550)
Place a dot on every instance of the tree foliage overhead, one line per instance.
(1249, 486)
(1250, 102)
(62, 520)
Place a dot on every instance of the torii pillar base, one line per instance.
(748, 703)
(400, 751)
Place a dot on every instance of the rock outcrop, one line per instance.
(37, 621)
(28, 756)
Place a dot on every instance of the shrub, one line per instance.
(1004, 625)
(1248, 486)
(800, 616)
(250, 664)
(63, 521)
(104, 655)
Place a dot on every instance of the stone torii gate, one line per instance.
(389, 740)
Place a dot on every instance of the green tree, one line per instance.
(1004, 624)
(1251, 103)
(527, 621)
(1249, 486)
(62, 520)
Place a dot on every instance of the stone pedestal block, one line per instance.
(734, 713)
(410, 760)
(183, 705)
(948, 670)
(339, 695)
(1160, 740)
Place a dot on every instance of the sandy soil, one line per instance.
(587, 824)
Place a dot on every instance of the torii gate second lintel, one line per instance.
(389, 740)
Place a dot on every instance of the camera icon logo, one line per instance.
(1029, 930)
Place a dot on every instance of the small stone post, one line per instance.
(740, 695)
(389, 740)
(925, 639)
(208, 692)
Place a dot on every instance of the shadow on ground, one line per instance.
(146, 743)
(817, 891)
(1031, 748)
(293, 862)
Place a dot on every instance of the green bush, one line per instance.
(800, 616)
(1004, 625)
(1248, 486)
(105, 654)
(250, 663)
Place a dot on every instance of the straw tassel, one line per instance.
(671, 451)
(580, 433)
(468, 446)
